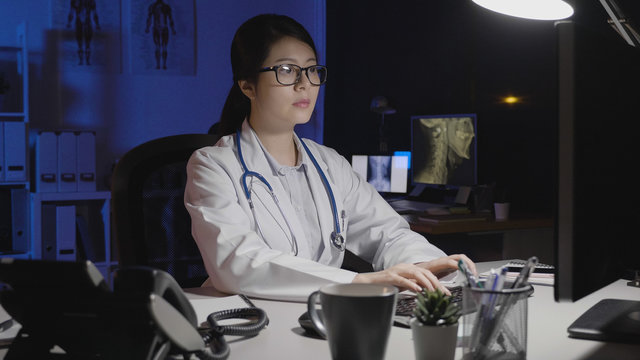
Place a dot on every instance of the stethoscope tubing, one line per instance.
(325, 181)
(336, 238)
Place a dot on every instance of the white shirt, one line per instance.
(296, 183)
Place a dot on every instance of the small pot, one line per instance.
(434, 342)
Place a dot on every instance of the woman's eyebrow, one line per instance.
(293, 60)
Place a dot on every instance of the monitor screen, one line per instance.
(443, 150)
(597, 213)
(387, 174)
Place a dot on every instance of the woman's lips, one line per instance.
(304, 103)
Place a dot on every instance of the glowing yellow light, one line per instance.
(511, 100)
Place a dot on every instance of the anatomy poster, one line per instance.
(162, 37)
(87, 34)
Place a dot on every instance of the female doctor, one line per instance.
(272, 214)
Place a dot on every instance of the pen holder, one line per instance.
(495, 323)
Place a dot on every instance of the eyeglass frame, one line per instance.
(305, 69)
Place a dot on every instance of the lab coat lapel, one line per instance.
(331, 255)
(256, 161)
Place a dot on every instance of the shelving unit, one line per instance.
(14, 156)
(36, 225)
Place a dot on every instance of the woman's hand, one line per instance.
(445, 265)
(405, 276)
(418, 276)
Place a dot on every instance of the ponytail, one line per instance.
(235, 110)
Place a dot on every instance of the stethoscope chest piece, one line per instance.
(338, 241)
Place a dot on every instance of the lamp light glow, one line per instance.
(511, 100)
(529, 9)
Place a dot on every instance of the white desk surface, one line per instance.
(547, 324)
(547, 334)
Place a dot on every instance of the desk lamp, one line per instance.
(529, 9)
(559, 9)
(380, 105)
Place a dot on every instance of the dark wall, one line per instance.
(439, 57)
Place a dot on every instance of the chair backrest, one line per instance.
(150, 223)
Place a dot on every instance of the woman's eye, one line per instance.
(285, 70)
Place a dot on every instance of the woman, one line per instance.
(287, 245)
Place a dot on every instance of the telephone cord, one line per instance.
(218, 348)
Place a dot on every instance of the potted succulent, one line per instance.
(435, 325)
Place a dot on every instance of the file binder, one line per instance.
(5, 219)
(46, 162)
(2, 151)
(19, 216)
(66, 233)
(67, 158)
(15, 151)
(48, 231)
(86, 161)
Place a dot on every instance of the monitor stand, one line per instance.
(609, 320)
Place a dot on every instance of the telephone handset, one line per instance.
(175, 319)
(169, 309)
(146, 316)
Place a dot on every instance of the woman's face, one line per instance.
(276, 107)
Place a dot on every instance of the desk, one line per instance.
(515, 223)
(547, 336)
(487, 240)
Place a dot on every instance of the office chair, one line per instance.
(150, 223)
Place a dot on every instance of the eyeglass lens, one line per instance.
(290, 74)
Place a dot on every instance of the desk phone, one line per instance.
(146, 316)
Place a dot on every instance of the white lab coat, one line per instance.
(239, 260)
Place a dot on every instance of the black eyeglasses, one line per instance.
(289, 74)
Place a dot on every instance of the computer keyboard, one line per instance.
(405, 305)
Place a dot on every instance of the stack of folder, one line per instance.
(65, 161)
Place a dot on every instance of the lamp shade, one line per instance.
(380, 105)
(529, 9)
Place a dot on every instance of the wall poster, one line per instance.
(162, 37)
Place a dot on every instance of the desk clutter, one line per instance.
(64, 161)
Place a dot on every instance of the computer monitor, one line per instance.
(387, 174)
(443, 150)
(598, 212)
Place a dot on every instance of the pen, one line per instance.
(471, 281)
(527, 269)
(496, 286)
(490, 316)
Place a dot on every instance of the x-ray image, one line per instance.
(440, 147)
(379, 172)
(386, 174)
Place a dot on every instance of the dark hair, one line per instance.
(250, 47)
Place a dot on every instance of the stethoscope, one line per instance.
(337, 240)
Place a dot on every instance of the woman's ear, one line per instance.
(247, 88)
